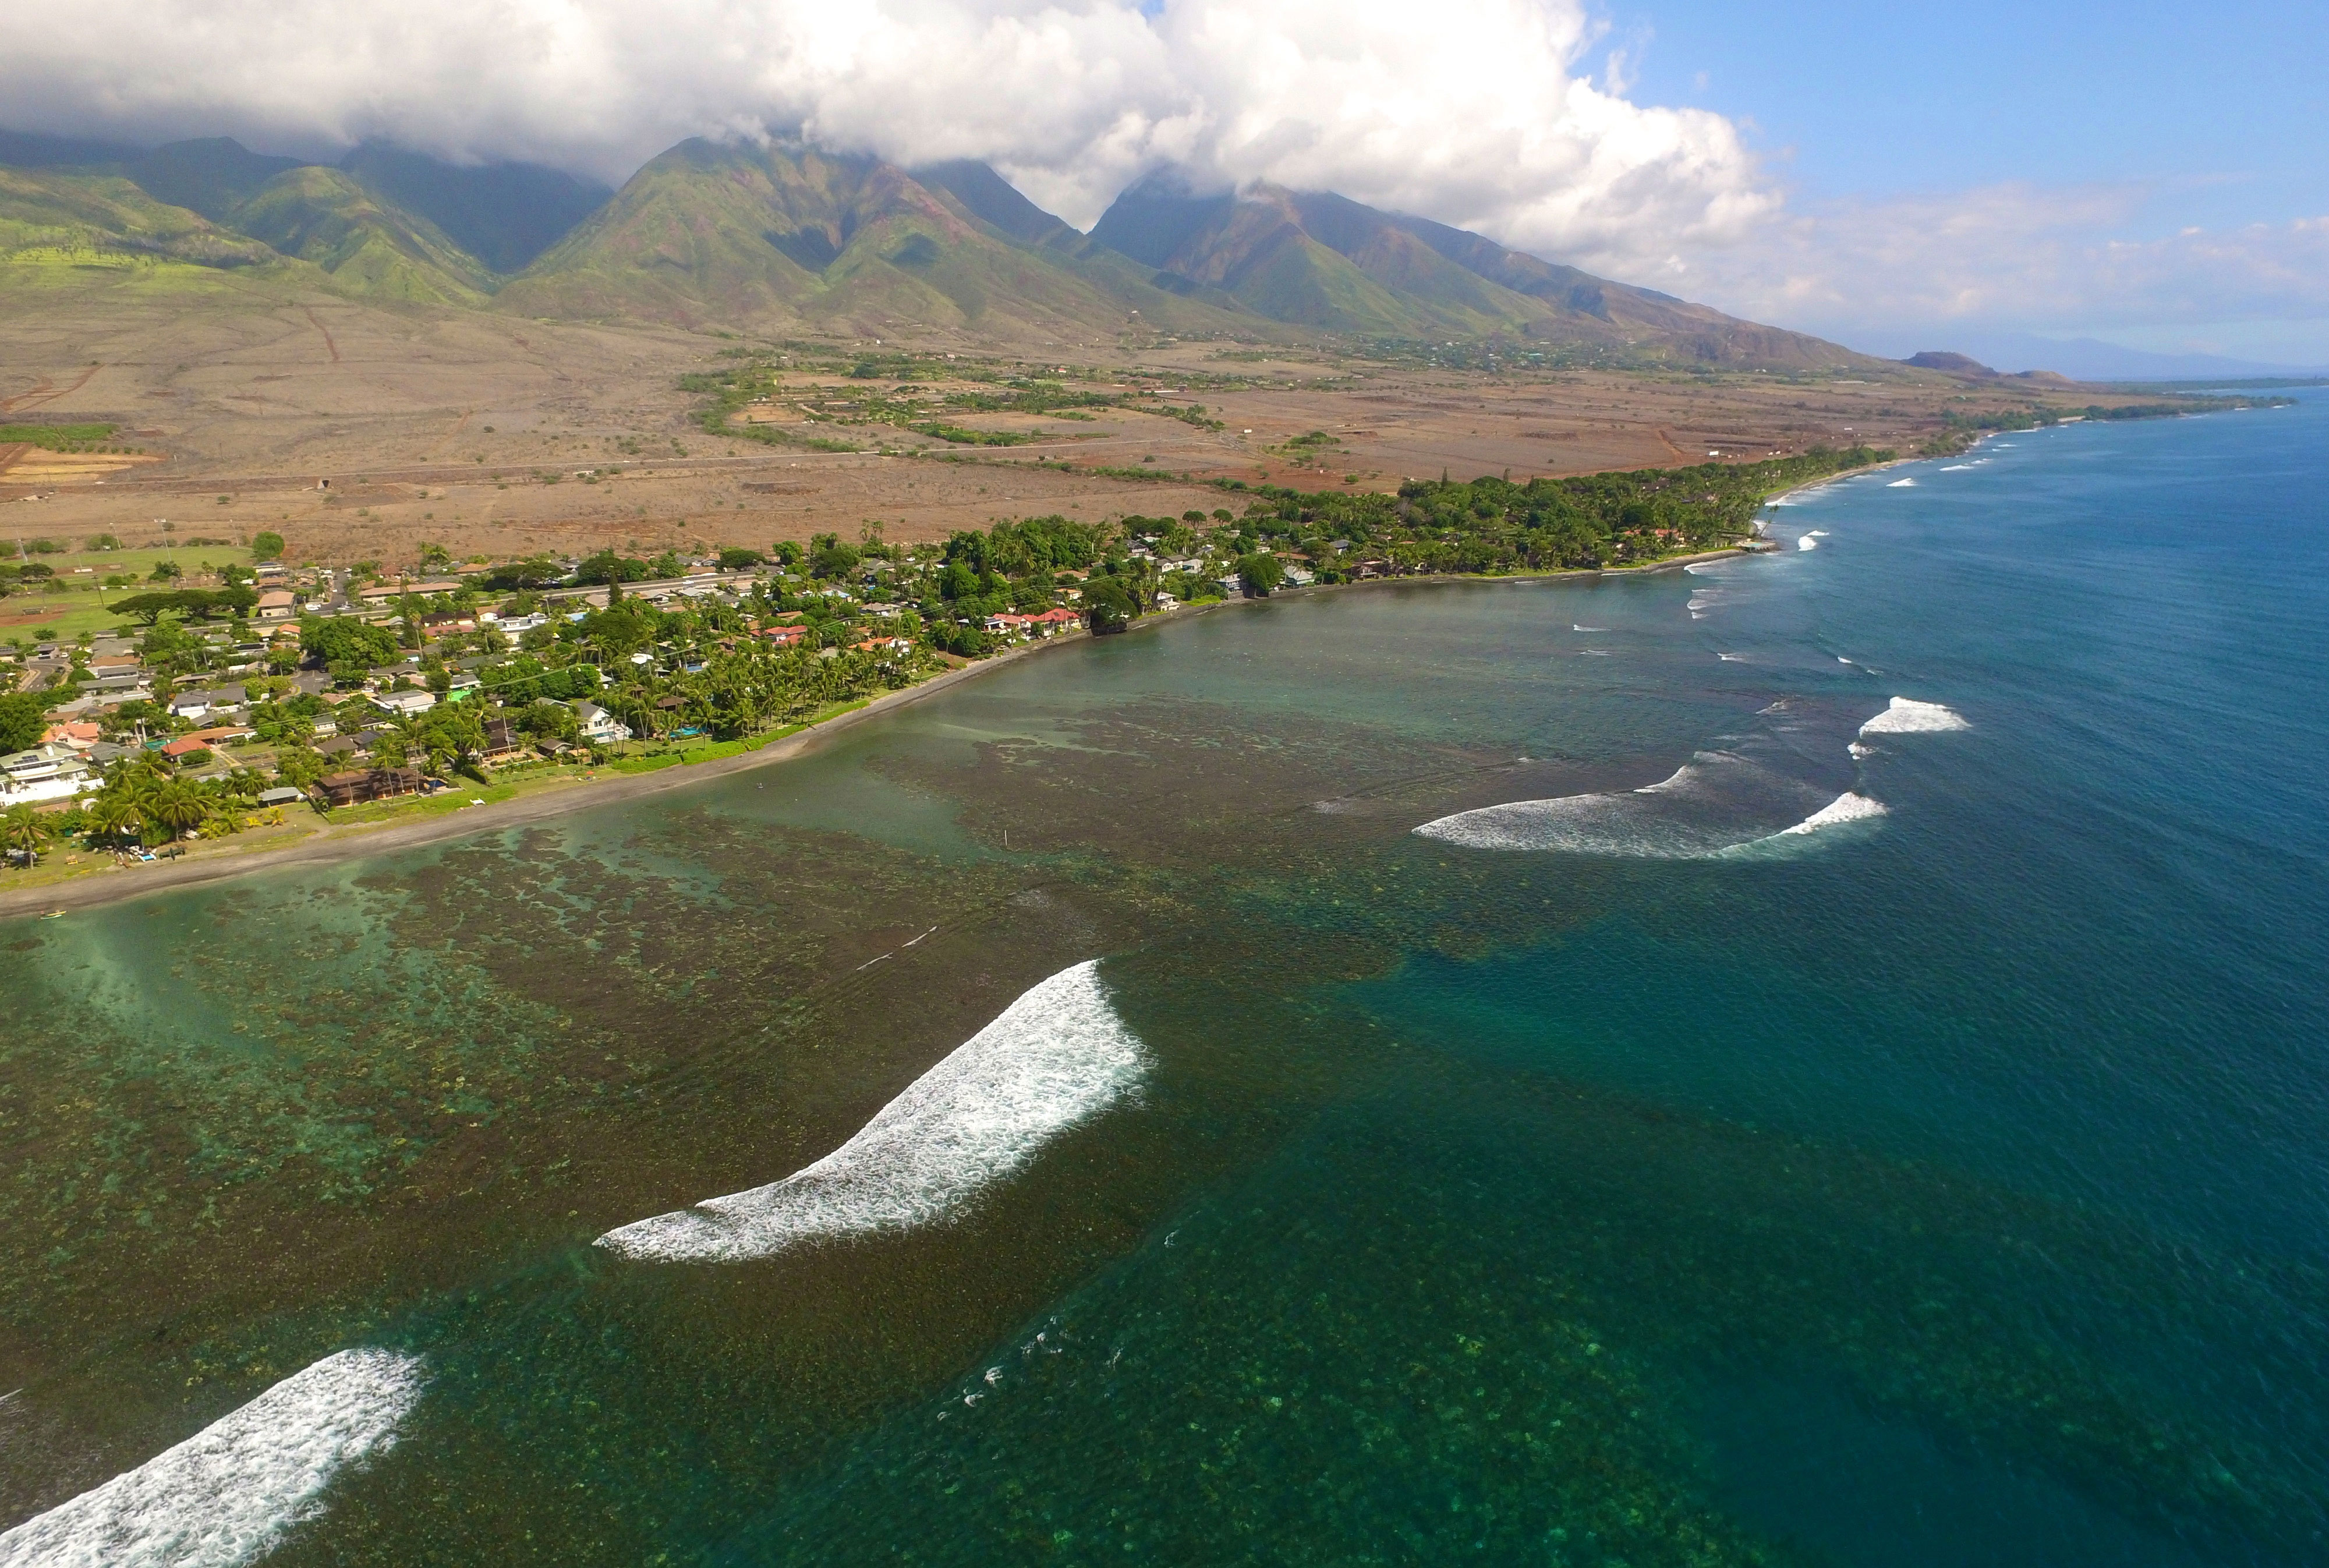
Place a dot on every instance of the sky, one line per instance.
(1894, 177)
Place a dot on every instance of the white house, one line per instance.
(201, 705)
(404, 705)
(599, 726)
(50, 772)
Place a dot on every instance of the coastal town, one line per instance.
(237, 686)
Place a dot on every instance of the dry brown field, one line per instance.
(468, 429)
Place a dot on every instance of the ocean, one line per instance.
(1815, 1059)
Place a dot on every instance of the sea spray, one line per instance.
(1056, 1056)
(226, 1495)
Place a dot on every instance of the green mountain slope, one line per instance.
(367, 246)
(106, 216)
(733, 234)
(1323, 261)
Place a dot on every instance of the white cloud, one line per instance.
(1477, 112)
(2013, 256)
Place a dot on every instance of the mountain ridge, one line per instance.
(777, 233)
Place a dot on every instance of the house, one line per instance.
(50, 772)
(338, 746)
(517, 625)
(1052, 620)
(599, 726)
(201, 705)
(209, 740)
(80, 736)
(405, 704)
(783, 636)
(281, 795)
(363, 784)
(278, 604)
(503, 741)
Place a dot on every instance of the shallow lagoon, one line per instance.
(1942, 1185)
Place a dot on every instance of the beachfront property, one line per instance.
(599, 726)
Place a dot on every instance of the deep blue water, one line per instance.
(1945, 1186)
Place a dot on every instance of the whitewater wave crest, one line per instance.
(1055, 1057)
(1847, 806)
(1901, 484)
(1712, 804)
(1808, 542)
(1908, 716)
(226, 1495)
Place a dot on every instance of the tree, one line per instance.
(177, 806)
(266, 546)
(23, 831)
(1109, 606)
(1262, 573)
(114, 819)
(23, 717)
(734, 558)
(830, 557)
(342, 641)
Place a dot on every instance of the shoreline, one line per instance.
(326, 845)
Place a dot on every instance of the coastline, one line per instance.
(327, 845)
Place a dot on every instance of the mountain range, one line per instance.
(714, 234)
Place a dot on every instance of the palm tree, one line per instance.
(23, 831)
(178, 806)
(114, 817)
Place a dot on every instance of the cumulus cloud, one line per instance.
(1477, 112)
(2014, 256)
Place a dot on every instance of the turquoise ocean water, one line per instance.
(1734, 1132)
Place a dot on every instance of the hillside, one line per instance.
(367, 246)
(1323, 261)
(785, 238)
(713, 233)
(51, 213)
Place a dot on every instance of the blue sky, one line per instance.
(2214, 117)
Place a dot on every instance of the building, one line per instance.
(48, 772)
(203, 705)
(278, 604)
(599, 726)
(783, 636)
(405, 704)
(281, 795)
(209, 740)
(363, 784)
(503, 741)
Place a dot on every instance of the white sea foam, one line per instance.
(226, 1495)
(1710, 805)
(1901, 484)
(1908, 716)
(1808, 542)
(1732, 658)
(1956, 467)
(1593, 653)
(1845, 808)
(1056, 1056)
(1574, 627)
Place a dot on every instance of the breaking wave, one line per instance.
(1956, 467)
(1845, 808)
(1574, 627)
(1713, 803)
(226, 1495)
(1901, 484)
(1908, 716)
(1056, 1056)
